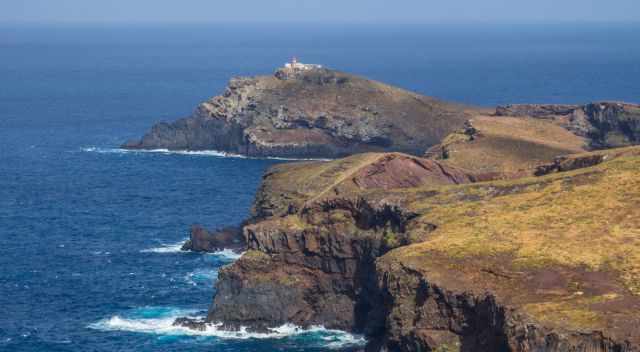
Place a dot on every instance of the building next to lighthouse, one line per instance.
(298, 66)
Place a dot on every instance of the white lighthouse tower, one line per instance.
(295, 65)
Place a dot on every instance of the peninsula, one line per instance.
(308, 111)
(444, 228)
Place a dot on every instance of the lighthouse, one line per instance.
(298, 66)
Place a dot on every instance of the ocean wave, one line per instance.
(166, 248)
(227, 254)
(201, 276)
(212, 153)
(159, 321)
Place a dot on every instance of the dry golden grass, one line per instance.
(510, 144)
(589, 217)
(582, 226)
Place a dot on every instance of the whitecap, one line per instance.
(200, 276)
(166, 248)
(227, 254)
(213, 153)
(159, 321)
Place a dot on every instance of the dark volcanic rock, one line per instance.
(323, 275)
(194, 324)
(315, 113)
(425, 316)
(535, 110)
(202, 240)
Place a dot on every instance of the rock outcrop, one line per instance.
(201, 240)
(432, 260)
(317, 113)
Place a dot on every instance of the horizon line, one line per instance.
(476, 22)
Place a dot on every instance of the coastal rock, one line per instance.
(315, 113)
(314, 270)
(201, 240)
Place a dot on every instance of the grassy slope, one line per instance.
(412, 120)
(564, 248)
(509, 144)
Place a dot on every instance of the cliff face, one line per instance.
(319, 275)
(424, 316)
(316, 113)
(312, 261)
(432, 260)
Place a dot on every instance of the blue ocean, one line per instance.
(90, 234)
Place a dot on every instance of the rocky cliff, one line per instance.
(311, 259)
(423, 256)
(315, 113)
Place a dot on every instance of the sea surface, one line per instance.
(90, 234)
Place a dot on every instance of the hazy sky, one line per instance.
(414, 11)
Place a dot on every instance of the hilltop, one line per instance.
(315, 112)
(308, 111)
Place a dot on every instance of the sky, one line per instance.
(388, 11)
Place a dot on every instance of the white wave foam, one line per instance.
(214, 153)
(166, 248)
(227, 254)
(162, 324)
(177, 248)
(200, 276)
